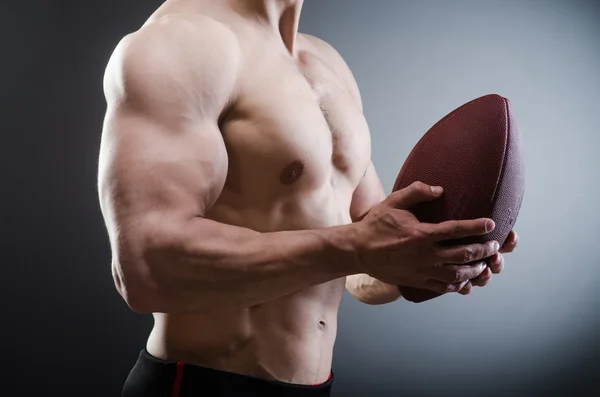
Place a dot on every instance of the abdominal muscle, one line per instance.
(289, 339)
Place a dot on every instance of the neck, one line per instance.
(283, 16)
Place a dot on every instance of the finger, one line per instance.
(453, 274)
(466, 290)
(443, 288)
(511, 242)
(496, 263)
(413, 194)
(483, 278)
(451, 230)
(463, 254)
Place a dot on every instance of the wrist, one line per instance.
(347, 243)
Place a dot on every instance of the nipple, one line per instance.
(292, 173)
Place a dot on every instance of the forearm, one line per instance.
(208, 265)
(362, 286)
(370, 290)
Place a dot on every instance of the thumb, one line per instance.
(414, 194)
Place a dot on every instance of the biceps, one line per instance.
(368, 194)
(149, 168)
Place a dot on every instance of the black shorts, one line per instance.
(152, 377)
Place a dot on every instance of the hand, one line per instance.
(495, 264)
(394, 247)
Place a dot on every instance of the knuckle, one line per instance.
(396, 195)
(417, 234)
(418, 185)
(440, 231)
(392, 197)
(468, 255)
(414, 235)
(459, 275)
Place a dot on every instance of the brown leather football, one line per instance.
(475, 154)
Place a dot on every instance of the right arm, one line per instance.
(162, 166)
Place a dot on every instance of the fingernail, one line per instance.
(489, 226)
(435, 189)
(496, 246)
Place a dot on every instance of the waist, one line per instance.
(267, 343)
(182, 379)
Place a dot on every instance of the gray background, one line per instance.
(534, 331)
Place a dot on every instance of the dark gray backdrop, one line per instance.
(532, 332)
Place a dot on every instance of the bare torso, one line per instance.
(298, 145)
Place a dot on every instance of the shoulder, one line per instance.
(325, 48)
(336, 62)
(172, 51)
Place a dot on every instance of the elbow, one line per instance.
(371, 291)
(145, 258)
(353, 286)
(375, 299)
(138, 286)
(131, 288)
(151, 275)
(136, 304)
(139, 303)
(366, 298)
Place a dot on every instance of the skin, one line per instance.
(236, 182)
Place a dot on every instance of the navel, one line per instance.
(292, 173)
(322, 324)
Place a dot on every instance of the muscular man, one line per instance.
(236, 181)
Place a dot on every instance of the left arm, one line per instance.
(365, 288)
(369, 192)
